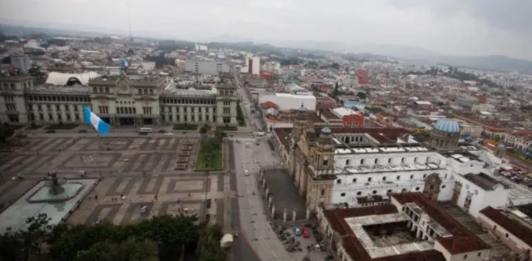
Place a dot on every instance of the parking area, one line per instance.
(284, 194)
(301, 239)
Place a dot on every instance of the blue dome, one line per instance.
(447, 126)
(326, 130)
(302, 108)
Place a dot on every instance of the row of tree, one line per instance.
(6, 131)
(240, 115)
(159, 238)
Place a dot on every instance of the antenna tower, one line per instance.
(129, 20)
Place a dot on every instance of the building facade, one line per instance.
(119, 100)
(207, 67)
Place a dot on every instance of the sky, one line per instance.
(457, 27)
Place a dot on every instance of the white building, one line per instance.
(474, 192)
(21, 62)
(207, 67)
(382, 169)
(251, 65)
(287, 101)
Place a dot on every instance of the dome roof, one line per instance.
(302, 108)
(447, 126)
(326, 130)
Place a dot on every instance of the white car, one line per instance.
(246, 173)
(169, 134)
(247, 145)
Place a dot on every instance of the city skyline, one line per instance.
(451, 27)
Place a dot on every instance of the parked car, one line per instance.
(246, 172)
(305, 232)
(297, 231)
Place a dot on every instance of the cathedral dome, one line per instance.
(448, 126)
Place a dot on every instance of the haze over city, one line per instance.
(265, 130)
(477, 27)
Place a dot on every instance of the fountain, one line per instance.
(56, 190)
(54, 196)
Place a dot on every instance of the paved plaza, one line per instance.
(133, 172)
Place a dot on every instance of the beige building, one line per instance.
(119, 100)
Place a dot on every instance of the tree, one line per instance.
(203, 130)
(131, 249)
(5, 132)
(336, 91)
(209, 248)
(361, 95)
(26, 242)
(102, 251)
(239, 115)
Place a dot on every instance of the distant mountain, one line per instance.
(228, 39)
(492, 62)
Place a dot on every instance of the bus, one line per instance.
(145, 130)
(259, 133)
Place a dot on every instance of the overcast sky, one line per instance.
(461, 27)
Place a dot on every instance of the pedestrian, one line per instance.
(96, 196)
(189, 194)
(155, 196)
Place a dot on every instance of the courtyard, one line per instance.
(139, 177)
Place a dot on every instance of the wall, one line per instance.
(463, 168)
(481, 198)
(467, 256)
(507, 238)
(289, 101)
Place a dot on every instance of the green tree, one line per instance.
(361, 95)
(138, 250)
(336, 91)
(101, 251)
(5, 132)
(27, 241)
(11, 247)
(209, 248)
(239, 115)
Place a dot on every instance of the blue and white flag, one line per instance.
(124, 64)
(93, 119)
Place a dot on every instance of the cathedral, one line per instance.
(312, 161)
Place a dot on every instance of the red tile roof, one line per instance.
(269, 104)
(512, 226)
(462, 240)
(283, 134)
(354, 247)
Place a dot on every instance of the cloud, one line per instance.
(462, 27)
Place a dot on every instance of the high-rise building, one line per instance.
(21, 62)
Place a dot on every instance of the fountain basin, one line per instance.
(38, 200)
(45, 194)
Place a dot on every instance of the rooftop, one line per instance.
(462, 240)
(190, 91)
(484, 181)
(356, 249)
(54, 89)
(514, 227)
